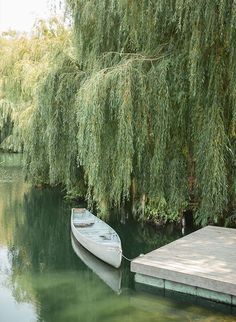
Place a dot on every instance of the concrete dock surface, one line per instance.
(202, 263)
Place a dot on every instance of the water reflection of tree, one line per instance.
(12, 190)
(45, 269)
(44, 234)
(138, 238)
(47, 273)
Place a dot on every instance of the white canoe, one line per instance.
(96, 236)
(108, 274)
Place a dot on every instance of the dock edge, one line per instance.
(185, 289)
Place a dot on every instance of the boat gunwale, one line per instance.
(114, 245)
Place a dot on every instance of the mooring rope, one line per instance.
(130, 259)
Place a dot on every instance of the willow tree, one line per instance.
(51, 147)
(24, 61)
(156, 110)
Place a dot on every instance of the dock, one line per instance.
(201, 264)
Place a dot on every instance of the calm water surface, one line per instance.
(46, 277)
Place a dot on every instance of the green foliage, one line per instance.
(5, 119)
(146, 107)
(158, 103)
(24, 60)
(52, 159)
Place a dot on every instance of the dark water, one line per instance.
(42, 278)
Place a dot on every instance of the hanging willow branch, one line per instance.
(158, 101)
(147, 108)
(53, 158)
(24, 60)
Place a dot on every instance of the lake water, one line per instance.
(43, 279)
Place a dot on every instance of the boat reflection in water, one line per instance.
(108, 274)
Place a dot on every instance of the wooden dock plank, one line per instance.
(204, 259)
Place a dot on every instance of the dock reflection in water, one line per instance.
(108, 274)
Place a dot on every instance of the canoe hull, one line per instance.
(110, 253)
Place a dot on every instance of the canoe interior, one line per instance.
(94, 228)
